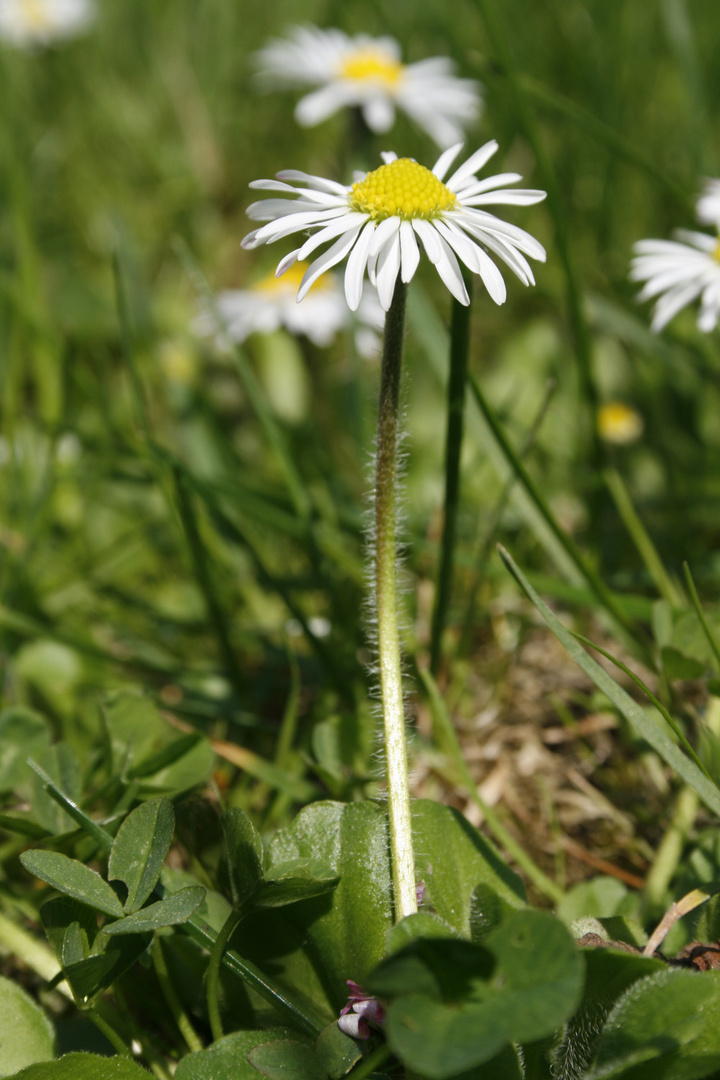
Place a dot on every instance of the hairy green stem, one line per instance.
(459, 347)
(388, 636)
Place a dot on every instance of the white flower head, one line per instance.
(708, 204)
(271, 304)
(27, 23)
(678, 272)
(368, 73)
(380, 222)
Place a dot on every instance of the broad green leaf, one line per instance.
(85, 1067)
(294, 880)
(336, 1051)
(112, 958)
(286, 1059)
(460, 1005)
(276, 940)
(609, 973)
(26, 1034)
(420, 925)
(665, 1027)
(348, 930)
(651, 728)
(72, 878)
(453, 860)
(24, 733)
(139, 850)
(227, 1058)
(175, 909)
(245, 854)
(71, 928)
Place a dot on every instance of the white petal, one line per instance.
(445, 160)
(388, 265)
(287, 262)
(670, 304)
(477, 187)
(448, 269)
(429, 237)
(521, 197)
(318, 106)
(474, 163)
(355, 269)
(335, 228)
(409, 251)
(379, 115)
(384, 230)
(319, 182)
(329, 258)
(387, 156)
(276, 230)
(476, 260)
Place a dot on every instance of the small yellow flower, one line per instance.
(619, 423)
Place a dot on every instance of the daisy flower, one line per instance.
(271, 303)
(381, 221)
(26, 23)
(368, 73)
(679, 272)
(708, 204)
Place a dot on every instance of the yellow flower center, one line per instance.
(36, 14)
(370, 65)
(289, 282)
(716, 252)
(401, 189)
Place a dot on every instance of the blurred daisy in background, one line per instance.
(678, 272)
(619, 423)
(26, 23)
(271, 304)
(368, 73)
(380, 221)
(708, 204)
